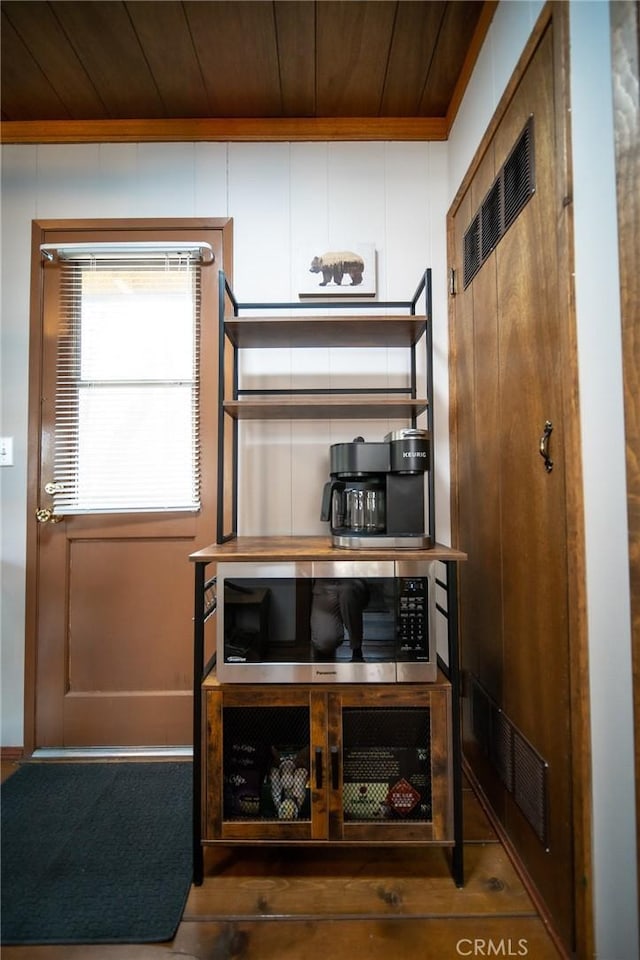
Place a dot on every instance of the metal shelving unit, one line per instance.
(382, 329)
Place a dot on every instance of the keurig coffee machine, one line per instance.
(375, 497)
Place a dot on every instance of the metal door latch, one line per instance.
(544, 446)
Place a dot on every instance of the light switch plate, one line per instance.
(6, 451)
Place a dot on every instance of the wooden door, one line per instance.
(536, 693)
(508, 362)
(109, 633)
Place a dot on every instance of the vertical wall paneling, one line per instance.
(285, 199)
(259, 198)
(309, 224)
(259, 202)
(625, 47)
(117, 169)
(172, 171)
(309, 209)
(18, 209)
(436, 220)
(355, 198)
(210, 179)
(509, 32)
(68, 181)
(604, 467)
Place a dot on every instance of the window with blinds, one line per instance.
(127, 388)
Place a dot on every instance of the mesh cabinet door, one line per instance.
(262, 769)
(391, 769)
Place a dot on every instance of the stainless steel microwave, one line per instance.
(354, 621)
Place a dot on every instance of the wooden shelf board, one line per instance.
(337, 331)
(365, 407)
(314, 548)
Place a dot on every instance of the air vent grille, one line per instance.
(491, 219)
(518, 177)
(501, 748)
(472, 254)
(530, 785)
(520, 767)
(511, 190)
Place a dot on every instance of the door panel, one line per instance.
(484, 518)
(514, 596)
(534, 523)
(111, 643)
(113, 592)
(475, 387)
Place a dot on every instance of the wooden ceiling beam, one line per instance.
(269, 129)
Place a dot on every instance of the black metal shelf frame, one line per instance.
(226, 295)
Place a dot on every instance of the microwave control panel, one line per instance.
(413, 630)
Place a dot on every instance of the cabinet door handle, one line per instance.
(318, 768)
(544, 446)
(335, 768)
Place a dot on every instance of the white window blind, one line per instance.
(127, 389)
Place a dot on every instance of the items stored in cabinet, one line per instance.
(387, 764)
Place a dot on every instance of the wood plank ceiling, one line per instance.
(288, 65)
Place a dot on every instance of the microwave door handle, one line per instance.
(318, 768)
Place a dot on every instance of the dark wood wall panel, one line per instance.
(510, 512)
(534, 524)
(625, 32)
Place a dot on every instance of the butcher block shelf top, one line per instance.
(325, 407)
(334, 331)
(312, 548)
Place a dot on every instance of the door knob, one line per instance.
(43, 515)
(53, 487)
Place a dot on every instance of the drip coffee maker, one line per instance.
(375, 497)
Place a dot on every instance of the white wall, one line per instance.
(284, 199)
(601, 402)
(605, 493)
(321, 197)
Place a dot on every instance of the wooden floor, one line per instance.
(345, 904)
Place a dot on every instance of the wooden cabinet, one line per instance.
(353, 763)
(381, 762)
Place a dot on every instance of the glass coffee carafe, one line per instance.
(356, 506)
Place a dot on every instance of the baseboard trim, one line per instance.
(11, 753)
(518, 865)
(112, 753)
